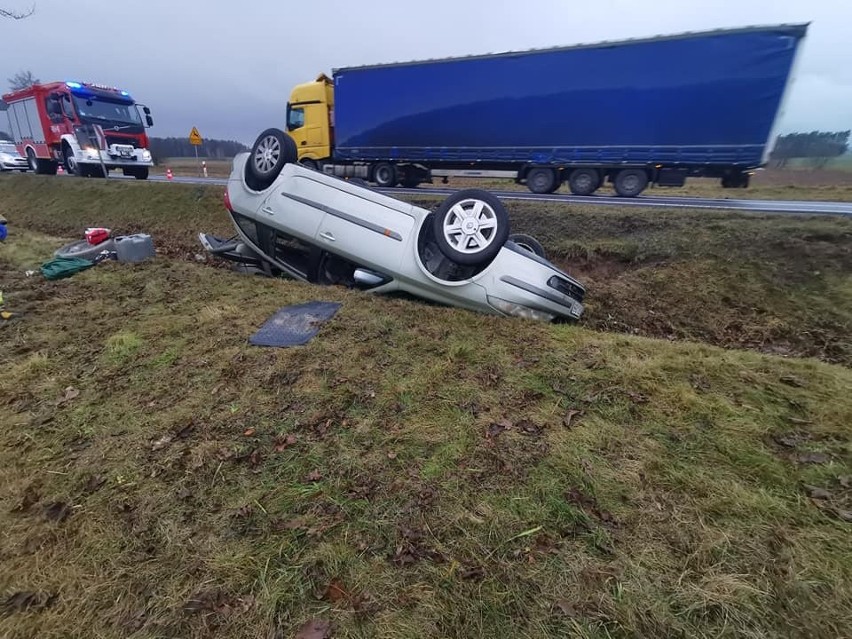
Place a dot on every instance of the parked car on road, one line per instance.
(10, 159)
(314, 227)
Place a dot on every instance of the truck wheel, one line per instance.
(471, 227)
(584, 181)
(271, 151)
(529, 243)
(40, 167)
(71, 164)
(542, 180)
(385, 175)
(630, 182)
(139, 172)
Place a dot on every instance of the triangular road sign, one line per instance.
(195, 137)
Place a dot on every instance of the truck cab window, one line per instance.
(66, 106)
(295, 119)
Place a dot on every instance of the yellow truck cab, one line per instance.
(310, 123)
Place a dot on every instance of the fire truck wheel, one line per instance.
(71, 162)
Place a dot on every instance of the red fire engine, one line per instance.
(85, 127)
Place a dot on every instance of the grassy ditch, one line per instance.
(414, 471)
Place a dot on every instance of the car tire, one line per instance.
(630, 182)
(584, 181)
(138, 172)
(385, 175)
(270, 152)
(459, 223)
(541, 180)
(529, 243)
(84, 250)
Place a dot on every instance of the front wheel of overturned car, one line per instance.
(471, 227)
(271, 151)
(529, 243)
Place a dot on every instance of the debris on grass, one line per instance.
(69, 394)
(28, 601)
(57, 511)
(314, 629)
(812, 458)
(570, 415)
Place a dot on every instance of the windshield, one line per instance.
(8, 148)
(101, 110)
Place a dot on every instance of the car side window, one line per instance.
(296, 119)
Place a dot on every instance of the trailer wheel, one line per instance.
(385, 174)
(542, 180)
(270, 152)
(471, 227)
(630, 182)
(584, 181)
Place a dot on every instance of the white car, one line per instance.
(10, 159)
(319, 228)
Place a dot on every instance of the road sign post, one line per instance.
(195, 140)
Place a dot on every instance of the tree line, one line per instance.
(817, 146)
(162, 148)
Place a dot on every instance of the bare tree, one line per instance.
(16, 15)
(22, 80)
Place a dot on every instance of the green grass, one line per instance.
(164, 498)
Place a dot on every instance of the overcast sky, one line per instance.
(228, 67)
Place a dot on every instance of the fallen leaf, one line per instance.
(812, 458)
(566, 607)
(845, 480)
(335, 591)
(70, 393)
(571, 414)
(637, 398)
(845, 515)
(283, 443)
(161, 443)
(30, 498)
(528, 428)
(788, 441)
(313, 476)
(248, 432)
(255, 458)
(314, 629)
(814, 492)
(792, 380)
(496, 428)
(474, 573)
(391, 455)
(21, 601)
(291, 524)
(57, 511)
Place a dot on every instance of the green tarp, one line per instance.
(61, 267)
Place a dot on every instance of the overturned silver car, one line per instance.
(300, 222)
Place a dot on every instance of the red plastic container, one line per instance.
(97, 235)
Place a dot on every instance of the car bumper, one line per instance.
(15, 165)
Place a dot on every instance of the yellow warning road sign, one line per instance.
(195, 137)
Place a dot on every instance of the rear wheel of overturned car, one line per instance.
(471, 227)
(529, 243)
(584, 181)
(541, 180)
(385, 174)
(271, 151)
(630, 182)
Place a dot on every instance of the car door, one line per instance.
(367, 228)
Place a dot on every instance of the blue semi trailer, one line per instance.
(633, 113)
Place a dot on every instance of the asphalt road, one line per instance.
(791, 207)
